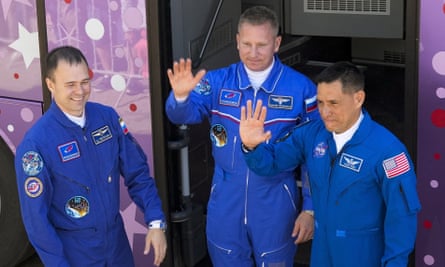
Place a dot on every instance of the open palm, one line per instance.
(252, 125)
(182, 79)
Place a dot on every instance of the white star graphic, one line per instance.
(27, 44)
(132, 227)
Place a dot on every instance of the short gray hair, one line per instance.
(259, 15)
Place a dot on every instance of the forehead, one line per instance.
(67, 71)
(332, 92)
(247, 28)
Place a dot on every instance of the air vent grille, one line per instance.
(363, 7)
(394, 57)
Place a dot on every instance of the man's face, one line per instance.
(257, 45)
(338, 110)
(70, 87)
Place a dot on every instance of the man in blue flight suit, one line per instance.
(68, 168)
(362, 179)
(250, 218)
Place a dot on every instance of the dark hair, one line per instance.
(69, 54)
(351, 77)
(259, 15)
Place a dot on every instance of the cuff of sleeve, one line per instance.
(245, 149)
(181, 99)
(310, 212)
(158, 224)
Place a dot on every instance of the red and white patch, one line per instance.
(396, 165)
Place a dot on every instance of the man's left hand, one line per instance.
(303, 228)
(156, 238)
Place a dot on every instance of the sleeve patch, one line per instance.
(32, 163)
(396, 165)
(123, 126)
(311, 104)
(33, 187)
(203, 87)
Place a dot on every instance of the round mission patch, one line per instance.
(33, 187)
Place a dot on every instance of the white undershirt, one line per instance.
(77, 120)
(257, 78)
(341, 139)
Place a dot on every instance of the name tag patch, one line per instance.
(230, 98)
(101, 135)
(281, 102)
(69, 151)
(351, 162)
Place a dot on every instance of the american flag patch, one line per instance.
(396, 165)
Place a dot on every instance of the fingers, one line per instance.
(243, 113)
(159, 255)
(156, 238)
(303, 228)
(147, 247)
(258, 109)
(302, 236)
(199, 75)
(258, 114)
(249, 109)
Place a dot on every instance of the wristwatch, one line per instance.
(158, 224)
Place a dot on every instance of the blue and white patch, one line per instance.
(77, 207)
(218, 135)
(32, 163)
(33, 187)
(320, 150)
(310, 104)
(101, 135)
(203, 87)
(280, 102)
(69, 151)
(351, 162)
(230, 98)
(123, 126)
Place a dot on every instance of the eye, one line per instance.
(85, 83)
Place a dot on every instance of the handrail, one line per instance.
(197, 63)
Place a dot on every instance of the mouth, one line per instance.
(78, 98)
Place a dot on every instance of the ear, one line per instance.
(360, 97)
(237, 41)
(49, 84)
(277, 43)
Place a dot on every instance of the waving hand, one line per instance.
(182, 79)
(252, 125)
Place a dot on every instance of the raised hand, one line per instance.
(182, 79)
(252, 125)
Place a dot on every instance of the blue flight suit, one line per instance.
(364, 197)
(68, 179)
(248, 214)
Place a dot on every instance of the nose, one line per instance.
(253, 51)
(324, 110)
(81, 87)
